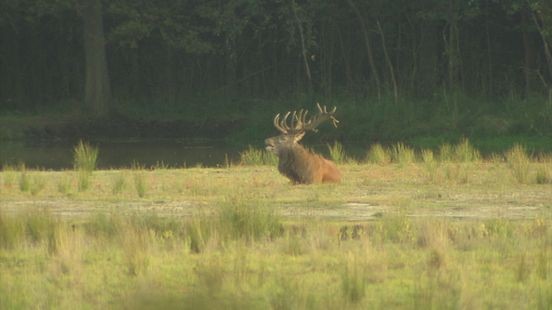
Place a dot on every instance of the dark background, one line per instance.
(396, 70)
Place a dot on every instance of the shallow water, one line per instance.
(119, 154)
(147, 153)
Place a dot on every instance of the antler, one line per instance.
(299, 122)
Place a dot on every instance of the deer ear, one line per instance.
(298, 137)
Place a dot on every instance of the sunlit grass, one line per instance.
(337, 152)
(519, 163)
(85, 157)
(402, 154)
(253, 156)
(428, 234)
(377, 154)
(394, 262)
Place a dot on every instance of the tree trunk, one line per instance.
(389, 64)
(529, 53)
(97, 91)
(369, 52)
(303, 47)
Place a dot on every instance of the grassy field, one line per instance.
(403, 230)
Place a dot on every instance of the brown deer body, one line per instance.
(297, 163)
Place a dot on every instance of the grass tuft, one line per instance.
(378, 155)
(257, 157)
(85, 157)
(519, 163)
(242, 220)
(430, 164)
(465, 152)
(118, 184)
(84, 162)
(446, 152)
(337, 153)
(353, 284)
(24, 179)
(402, 154)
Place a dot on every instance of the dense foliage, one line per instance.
(439, 57)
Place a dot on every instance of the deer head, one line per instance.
(294, 129)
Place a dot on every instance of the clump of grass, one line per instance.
(198, 233)
(430, 164)
(446, 152)
(465, 152)
(519, 163)
(402, 154)
(135, 245)
(241, 220)
(377, 154)
(83, 183)
(64, 184)
(337, 153)
(456, 173)
(11, 232)
(256, 157)
(9, 175)
(85, 157)
(544, 174)
(37, 184)
(118, 184)
(353, 284)
(140, 183)
(496, 158)
(24, 179)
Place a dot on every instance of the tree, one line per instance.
(97, 90)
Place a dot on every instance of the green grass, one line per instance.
(85, 157)
(428, 234)
(394, 262)
(519, 163)
(402, 154)
(337, 152)
(377, 154)
(254, 157)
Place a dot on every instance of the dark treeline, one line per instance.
(157, 54)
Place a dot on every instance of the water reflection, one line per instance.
(121, 154)
(147, 153)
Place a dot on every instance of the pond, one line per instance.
(147, 153)
(119, 154)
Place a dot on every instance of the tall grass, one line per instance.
(37, 184)
(240, 219)
(402, 154)
(337, 152)
(118, 183)
(353, 283)
(519, 163)
(446, 152)
(378, 155)
(85, 157)
(430, 164)
(256, 157)
(24, 179)
(398, 263)
(465, 152)
(9, 175)
(139, 182)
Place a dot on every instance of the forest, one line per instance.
(395, 69)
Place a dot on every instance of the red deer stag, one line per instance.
(297, 163)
